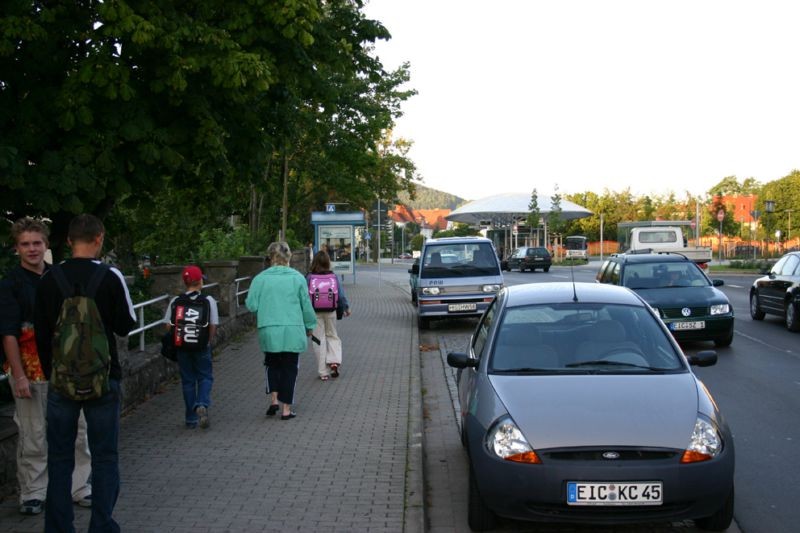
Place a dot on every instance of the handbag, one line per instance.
(168, 349)
(339, 310)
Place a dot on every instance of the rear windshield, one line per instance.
(451, 260)
(583, 338)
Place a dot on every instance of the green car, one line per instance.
(688, 302)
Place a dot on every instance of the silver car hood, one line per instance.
(601, 410)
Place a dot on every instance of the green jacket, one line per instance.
(279, 297)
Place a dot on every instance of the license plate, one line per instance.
(699, 324)
(613, 493)
(462, 307)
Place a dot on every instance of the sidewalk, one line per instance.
(350, 461)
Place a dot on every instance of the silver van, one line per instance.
(456, 276)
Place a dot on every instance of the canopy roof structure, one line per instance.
(508, 208)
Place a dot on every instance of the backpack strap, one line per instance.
(68, 291)
(61, 281)
(96, 279)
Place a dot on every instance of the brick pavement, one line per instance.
(350, 461)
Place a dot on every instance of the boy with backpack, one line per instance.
(81, 304)
(330, 303)
(25, 376)
(192, 318)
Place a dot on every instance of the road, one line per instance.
(756, 382)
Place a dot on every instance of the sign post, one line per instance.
(720, 218)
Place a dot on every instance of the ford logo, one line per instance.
(686, 311)
(610, 455)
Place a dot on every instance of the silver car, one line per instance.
(577, 405)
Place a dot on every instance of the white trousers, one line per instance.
(329, 351)
(30, 417)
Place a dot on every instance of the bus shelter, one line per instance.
(334, 232)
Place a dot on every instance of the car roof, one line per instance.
(456, 240)
(565, 291)
(663, 257)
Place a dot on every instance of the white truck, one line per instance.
(659, 236)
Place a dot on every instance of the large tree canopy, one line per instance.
(146, 109)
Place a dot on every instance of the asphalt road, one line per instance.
(756, 382)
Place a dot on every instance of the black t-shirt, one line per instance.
(112, 299)
(17, 299)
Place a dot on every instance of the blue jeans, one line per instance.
(196, 379)
(102, 429)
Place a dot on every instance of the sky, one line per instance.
(588, 95)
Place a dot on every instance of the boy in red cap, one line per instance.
(193, 318)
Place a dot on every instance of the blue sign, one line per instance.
(330, 208)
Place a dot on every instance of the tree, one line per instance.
(534, 216)
(554, 218)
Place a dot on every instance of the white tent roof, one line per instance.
(511, 207)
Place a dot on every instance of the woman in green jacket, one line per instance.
(285, 319)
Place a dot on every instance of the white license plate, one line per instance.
(613, 493)
(462, 307)
(699, 324)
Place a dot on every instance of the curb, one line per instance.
(414, 519)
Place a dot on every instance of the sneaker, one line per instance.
(31, 507)
(202, 412)
(86, 501)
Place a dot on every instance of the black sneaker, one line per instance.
(31, 507)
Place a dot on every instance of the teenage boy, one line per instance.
(113, 301)
(195, 324)
(28, 384)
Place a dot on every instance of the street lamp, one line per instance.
(769, 207)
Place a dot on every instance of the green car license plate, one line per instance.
(614, 493)
(696, 324)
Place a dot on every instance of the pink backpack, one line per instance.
(323, 289)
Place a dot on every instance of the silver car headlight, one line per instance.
(507, 442)
(704, 444)
(720, 309)
(490, 288)
(430, 291)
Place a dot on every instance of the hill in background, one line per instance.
(428, 198)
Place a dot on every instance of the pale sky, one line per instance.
(657, 96)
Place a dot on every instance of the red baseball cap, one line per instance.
(192, 274)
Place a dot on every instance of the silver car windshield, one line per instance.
(662, 275)
(582, 338)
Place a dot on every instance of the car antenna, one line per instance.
(572, 272)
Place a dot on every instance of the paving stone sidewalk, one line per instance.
(350, 461)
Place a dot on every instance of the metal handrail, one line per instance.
(238, 293)
(139, 309)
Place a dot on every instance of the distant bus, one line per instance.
(576, 247)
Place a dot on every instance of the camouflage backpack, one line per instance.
(81, 355)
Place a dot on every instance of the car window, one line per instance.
(790, 265)
(661, 275)
(613, 276)
(576, 337)
(777, 267)
(482, 332)
(602, 277)
(519, 252)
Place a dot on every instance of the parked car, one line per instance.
(405, 255)
(529, 258)
(778, 293)
(456, 277)
(577, 405)
(688, 302)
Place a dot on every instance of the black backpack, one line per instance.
(190, 320)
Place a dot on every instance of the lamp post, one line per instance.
(720, 218)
